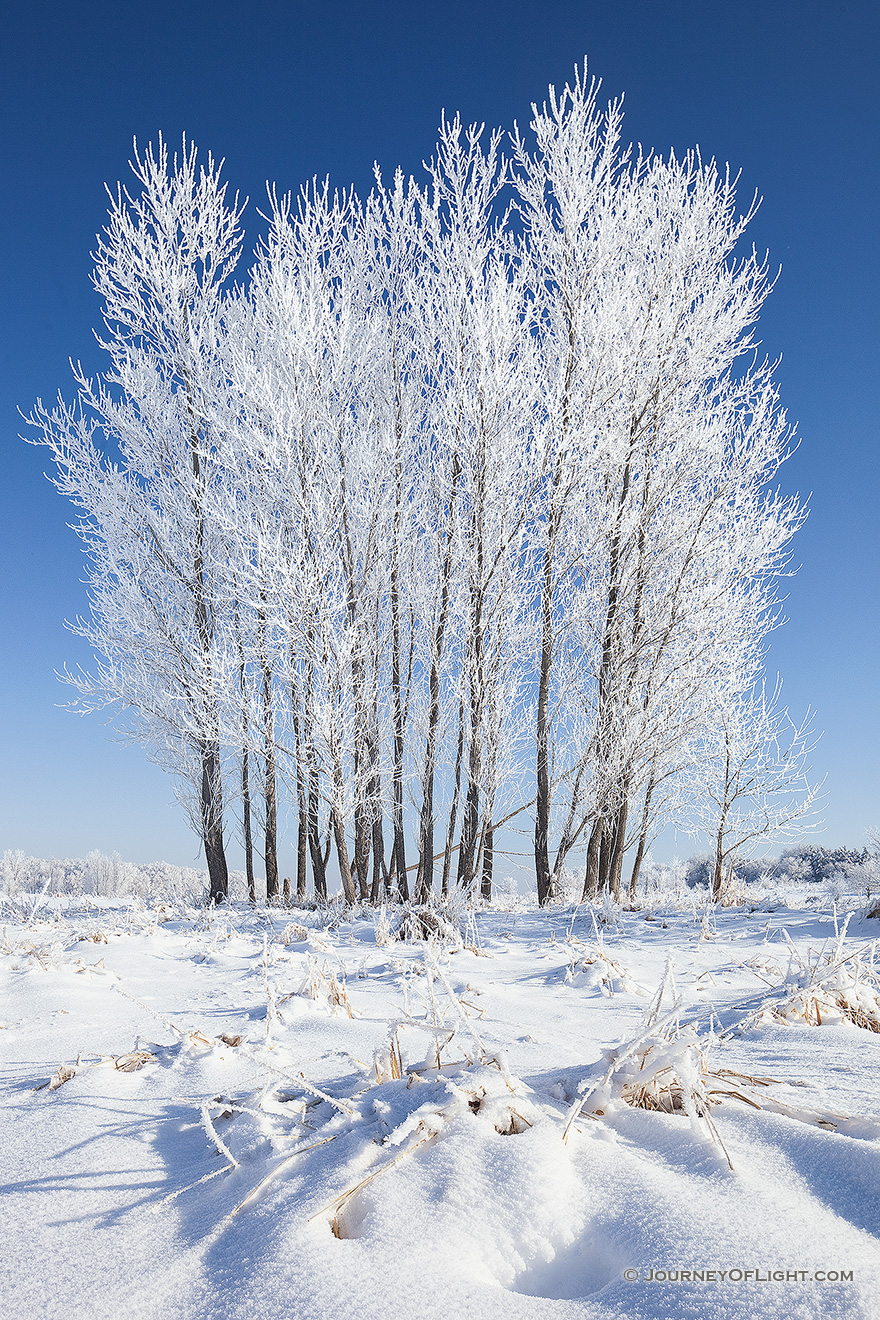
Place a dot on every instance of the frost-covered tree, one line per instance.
(657, 441)
(754, 777)
(155, 560)
(456, 500)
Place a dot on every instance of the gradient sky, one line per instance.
(786, 91)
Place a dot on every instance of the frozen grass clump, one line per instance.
(293, 933)
(835, 993)
(323, 986)
(591, 967)
(413, 922)
(831, 987)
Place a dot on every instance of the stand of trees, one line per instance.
(457, 509)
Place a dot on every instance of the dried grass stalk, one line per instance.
(133, 1061)
(59, 1077)
(339, 1202)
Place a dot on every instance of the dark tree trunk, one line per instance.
(488, 861)
(212, 825)
(637, 864)
(605, 857)
(348, 888)
(271, 820)
(246, 826)
(618, 845)
(591, 875)
(338, 827)
(302, 833)
(398, 844)
(475, 656)
(361, 866)
(271, 853)
(470, 829)
(211, 786)
(379, 872)
(245, 769)
(301, 854)
(542, 730)
(453, 807)
(319, 867)
(425, 880)
(374, 799)
(643, 840)
(312, 774)
(718, 871)
(360, 871)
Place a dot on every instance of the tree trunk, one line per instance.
(212, 825)
(271, 822)
(718, 873)
(453, 806)
(488, 861)
(246, 826)
(361, 869)
(542, 730)
(470, 829)
(245, 767)
(211, 788)
(301, 854)
(302, 832)
(605, 857)
(374, 794)
(470, 825)
(312, 775)
(425, 880)
(319, 867)
(615, 865)
(271, 853)
(380, 874)
(348, 889)
(643, 839)
(591, 874)
(398, 844)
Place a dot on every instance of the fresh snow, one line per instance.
(323, 1165)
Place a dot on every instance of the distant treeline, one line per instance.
(805, 862)
(103, 876)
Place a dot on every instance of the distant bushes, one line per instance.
(99, 876)
(803, 864)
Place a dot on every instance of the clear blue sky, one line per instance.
(787, 91)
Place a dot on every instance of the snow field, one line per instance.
(269, 1114)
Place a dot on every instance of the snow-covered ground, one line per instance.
(240, 1113)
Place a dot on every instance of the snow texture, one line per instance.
(271, 1114)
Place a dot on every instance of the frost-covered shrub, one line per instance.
(100, 876)
(426, 921)
(834, 890)
(507, 895)
(810, 861)
(698, 870)
(805, 863)
(866, 877)
(663, 882)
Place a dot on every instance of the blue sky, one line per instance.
(785, 90)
